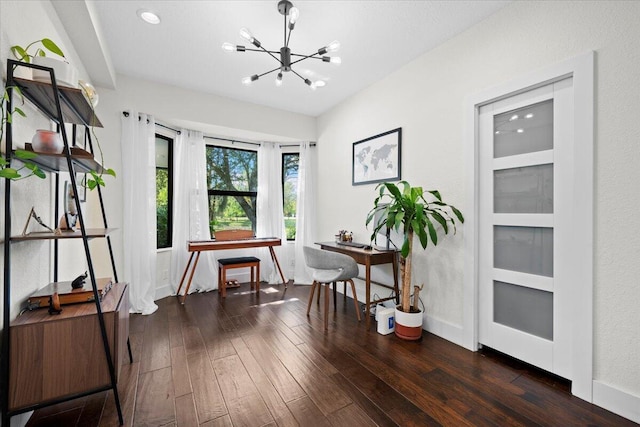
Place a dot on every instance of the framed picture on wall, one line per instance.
(377, 158)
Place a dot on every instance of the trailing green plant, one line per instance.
(23, 54)
(6, 171)
(94, 179)
(412, 211)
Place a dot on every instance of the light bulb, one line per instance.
(279, 80)
(294, 14)
(248, 80)
(333, 46)
(228, 47)
(246, 34)
(336, 60)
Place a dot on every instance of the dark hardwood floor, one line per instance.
(260, 361)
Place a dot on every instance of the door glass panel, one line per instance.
(523, 190)
(523, 249)
(525, 309)
(525, 130)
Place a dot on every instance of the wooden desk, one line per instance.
(369, 257)
(197, 246)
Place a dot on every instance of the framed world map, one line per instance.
(377, 159)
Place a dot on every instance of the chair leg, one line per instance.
(319, 288)
(327, 290)
(335, 295)
(355, 297)
(344, 290)
(313, 289)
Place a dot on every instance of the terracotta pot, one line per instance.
(408, 325)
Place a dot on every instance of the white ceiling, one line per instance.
(377, 38)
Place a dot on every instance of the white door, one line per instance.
(525, 209)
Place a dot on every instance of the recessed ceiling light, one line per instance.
(528, 116)
(148, 16)
(514, 117)
(520, 130)
(320, 83)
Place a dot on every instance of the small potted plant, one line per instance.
(411, 211)
(66, 74)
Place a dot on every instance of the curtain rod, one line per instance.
(313, 144)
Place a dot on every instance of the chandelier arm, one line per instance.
(272, 52)
(269, 72)
(294, 72)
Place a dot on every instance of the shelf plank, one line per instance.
(83, 161)
(47, 235)
(75, 108)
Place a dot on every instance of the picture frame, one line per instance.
(377, 158)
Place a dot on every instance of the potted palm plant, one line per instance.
(411, 211)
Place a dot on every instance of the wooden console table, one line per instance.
(369, 257)
(197, 246)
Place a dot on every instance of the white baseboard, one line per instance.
(617, 401)
(448, 331)
(163, 291)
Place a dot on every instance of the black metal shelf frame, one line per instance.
(62, 105)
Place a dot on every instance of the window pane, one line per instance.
(163, 191)
(523, 249)
(162, 208)
(523, 190)
(290, 192)
(524, 130)
(525, 309)
(230, 213)
(232, 179)
(232, 169)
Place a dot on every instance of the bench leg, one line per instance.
(258, 278)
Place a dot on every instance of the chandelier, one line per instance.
(285, 58)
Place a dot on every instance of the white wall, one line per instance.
(177, 107)
(427, 99)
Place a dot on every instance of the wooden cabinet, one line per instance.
(58, 356)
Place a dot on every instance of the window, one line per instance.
(290, 192)
(164, 186)
(232, 181)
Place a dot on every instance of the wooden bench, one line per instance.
(225, 264)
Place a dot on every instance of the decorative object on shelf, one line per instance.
(47, 141)
(409, 212)
(377, 158)
(54, 304)
(89, 93)
(66, 74)
(284, 55)
(34, 215)
(78, 282)
(70, 216)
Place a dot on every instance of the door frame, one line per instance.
(581, 68)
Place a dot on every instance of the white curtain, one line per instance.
(306, 211)
(191, 212)
(139, 218)
(269, 212)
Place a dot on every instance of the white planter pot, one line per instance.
(66, 74)
(408, 325)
